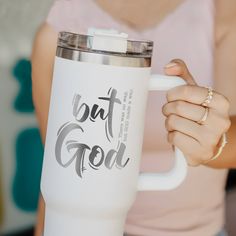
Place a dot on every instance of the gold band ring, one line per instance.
(204, 117)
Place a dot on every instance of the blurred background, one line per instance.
(21, 149)
(20, 145)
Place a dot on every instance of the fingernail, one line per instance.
(171, 64)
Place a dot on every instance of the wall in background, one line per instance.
(19, 20)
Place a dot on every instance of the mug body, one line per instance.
(94, 141)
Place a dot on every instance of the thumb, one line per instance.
(178, 67)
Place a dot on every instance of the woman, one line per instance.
(196, 118)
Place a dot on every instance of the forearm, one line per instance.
(227, 159)
(44, 50)
(40, 217)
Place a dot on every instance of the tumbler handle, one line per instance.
(174, 177)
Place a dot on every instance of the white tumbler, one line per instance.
(95, 133)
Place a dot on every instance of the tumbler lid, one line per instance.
(106, 42)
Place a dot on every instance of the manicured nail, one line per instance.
(171, 64)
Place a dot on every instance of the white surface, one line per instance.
(69, 225)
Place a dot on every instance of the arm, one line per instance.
(225, 73)
(44, 50)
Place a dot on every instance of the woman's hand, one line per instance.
(197, 141)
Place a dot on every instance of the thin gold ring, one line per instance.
(209, 97)
(204, 117)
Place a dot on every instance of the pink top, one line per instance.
(197, 206)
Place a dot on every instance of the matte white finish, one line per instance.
(70, 225)
(167, 180)
(100, 108)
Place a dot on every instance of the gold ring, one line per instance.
(204, 117)
(209, 97)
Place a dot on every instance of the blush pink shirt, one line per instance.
(196, 208)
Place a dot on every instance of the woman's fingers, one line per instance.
(197, 95)
(188, 127)
(184, 109)
(183, 117)
(214, 120)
